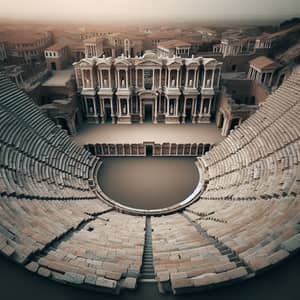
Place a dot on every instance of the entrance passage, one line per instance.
(148, 113)
(108, 114)
(148, 183)
(149, 150)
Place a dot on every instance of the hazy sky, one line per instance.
(183, 10)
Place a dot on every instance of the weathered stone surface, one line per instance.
(236, 273)
(113, 275)
(44, 272)
(90, 279)
(107, 283)
(204, 279)
(129, 283)
(278, 256)
(74, 278)
(8, 250)
(163, 276)
(32, 266)
(181, 283)
(292, 244)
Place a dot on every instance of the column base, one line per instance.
(204, 119)
(172, 120)
(92, 119)
(124, 120)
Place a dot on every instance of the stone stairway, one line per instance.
(147, 272)
(223, 249)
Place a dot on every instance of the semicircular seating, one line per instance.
(247, 218)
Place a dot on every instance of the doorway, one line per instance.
(188, 111)
(53, 66)
(148, 113)
(234, 123)
(107, 111)
(149, 150)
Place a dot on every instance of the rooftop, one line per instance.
(56, 47)
(174, 44)
(59, 78)
(264, 63)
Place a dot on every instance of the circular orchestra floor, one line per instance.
(148, 182)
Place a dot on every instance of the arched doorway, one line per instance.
(188, 110)
(64, 124)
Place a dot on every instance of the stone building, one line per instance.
(262, 69)
(238, 100)
(3, 55)
(174, 47)
(57, 56)
(148, 88)
(25, 47)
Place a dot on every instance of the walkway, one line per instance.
(158, 133)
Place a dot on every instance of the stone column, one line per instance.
(225, 127)
(219, 77)
(112, 111)
(101, 79)
(169, 74)
(204, 79)
(209, 106)
(155, 111)
(195, 77)
(136, 77)
(119, 82)
(159, 84)
(212, 79)
(141, 112)
(201, 107)
(187, 77)
(143, 79)
(109, 78)
(95, 106)
(153, 79)
(177, 78)
(126, 73)
(184, 110)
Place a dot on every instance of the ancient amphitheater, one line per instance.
(245, 217)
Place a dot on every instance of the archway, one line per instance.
(64, 124)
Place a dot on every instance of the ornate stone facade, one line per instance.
(148, 88)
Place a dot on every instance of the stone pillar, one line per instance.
(195, 77)
(128, 107)
(184, 110)
(101, 79)
(126, 75)
(153, 79)
(194, 110)
(168, 105)
(109, 79)
(225, 127)
(102, 110)
(143, 79)
(119, 82)
(155, 111)
(95, 106)
(204, 79)
(136, 77)
(159, 84)
(187, 77)
(212, 79)
(169, 74)
(112, 111)
(141, 112)
(209, 106)
(177, 78)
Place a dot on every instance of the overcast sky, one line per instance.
(171, 10)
